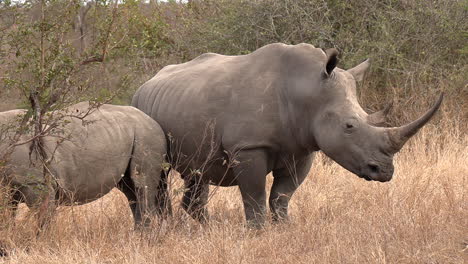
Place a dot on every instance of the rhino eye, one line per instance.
(350, 126)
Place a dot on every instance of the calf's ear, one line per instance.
(332, 60)
(359, 70)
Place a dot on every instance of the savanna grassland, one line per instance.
(421, 216)
(67, 51)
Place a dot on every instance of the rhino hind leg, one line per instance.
(163, 201)
(285, 183)
(140, 187)
(195, 199)
(127, 187)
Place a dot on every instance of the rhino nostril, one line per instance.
(374, 168)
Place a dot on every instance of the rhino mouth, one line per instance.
(374, 171)
(365, 177)
(364, 173)
(375, 178)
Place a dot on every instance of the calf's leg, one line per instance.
(127, 187)
(163, 201)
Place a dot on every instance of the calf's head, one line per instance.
(351, 137)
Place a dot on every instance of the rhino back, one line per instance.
(97, 154)
(90, 157)
(243, 96)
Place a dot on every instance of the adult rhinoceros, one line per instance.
(267, 111)
(94, 151)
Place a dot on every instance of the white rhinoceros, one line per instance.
(112, 146)
(234, 119)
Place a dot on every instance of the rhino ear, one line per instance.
(332, 60)
(359, 70)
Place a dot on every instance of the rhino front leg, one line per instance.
(46, 211)
(195, 199)
(41, 198)
(285, 183)
(16, 198)
(251, 177)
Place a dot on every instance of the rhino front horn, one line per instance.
(399, 135)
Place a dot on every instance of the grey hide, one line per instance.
(233, 119)
(115, 146)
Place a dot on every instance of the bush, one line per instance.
(417, 47)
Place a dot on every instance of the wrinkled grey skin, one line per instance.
(119, 147)
(271, 110)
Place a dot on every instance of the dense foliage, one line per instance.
(417, 47)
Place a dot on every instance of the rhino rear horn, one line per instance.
(399, 135)
(332, 60)
(380, 118)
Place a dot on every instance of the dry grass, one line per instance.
(421, 216)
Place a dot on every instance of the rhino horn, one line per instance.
(399, 135)
(380, 118)
(359, 70)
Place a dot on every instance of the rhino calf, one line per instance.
(110, 146)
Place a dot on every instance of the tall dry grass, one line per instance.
(421, 216)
